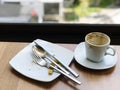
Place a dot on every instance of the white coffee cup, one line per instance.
(97, 45)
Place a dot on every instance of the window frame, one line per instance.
(57, 33)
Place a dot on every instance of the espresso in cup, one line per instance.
(97, 39)
(97, 44)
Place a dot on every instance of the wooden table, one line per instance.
(91, 80)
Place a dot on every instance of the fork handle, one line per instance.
(67, 75)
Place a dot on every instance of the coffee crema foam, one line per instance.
(97, 38)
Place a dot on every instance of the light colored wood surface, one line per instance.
(91, 80)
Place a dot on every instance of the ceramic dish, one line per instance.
(23, 62)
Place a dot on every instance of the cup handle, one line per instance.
(108, 53)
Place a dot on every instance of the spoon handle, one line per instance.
(58, 65)
(68, 68)
(67, 75)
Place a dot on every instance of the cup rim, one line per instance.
(98, 45)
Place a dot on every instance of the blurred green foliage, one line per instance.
(104, 3)
(83, 8)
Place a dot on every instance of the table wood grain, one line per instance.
(91, 79)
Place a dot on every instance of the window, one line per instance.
(71, 11)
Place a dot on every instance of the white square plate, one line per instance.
(23, 62)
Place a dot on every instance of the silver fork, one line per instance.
(44, 63)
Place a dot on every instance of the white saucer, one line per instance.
(80, 56)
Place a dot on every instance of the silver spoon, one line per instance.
(44, 63)
(51, 55)
(42, 54)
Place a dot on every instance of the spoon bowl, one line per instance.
(37, 59)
